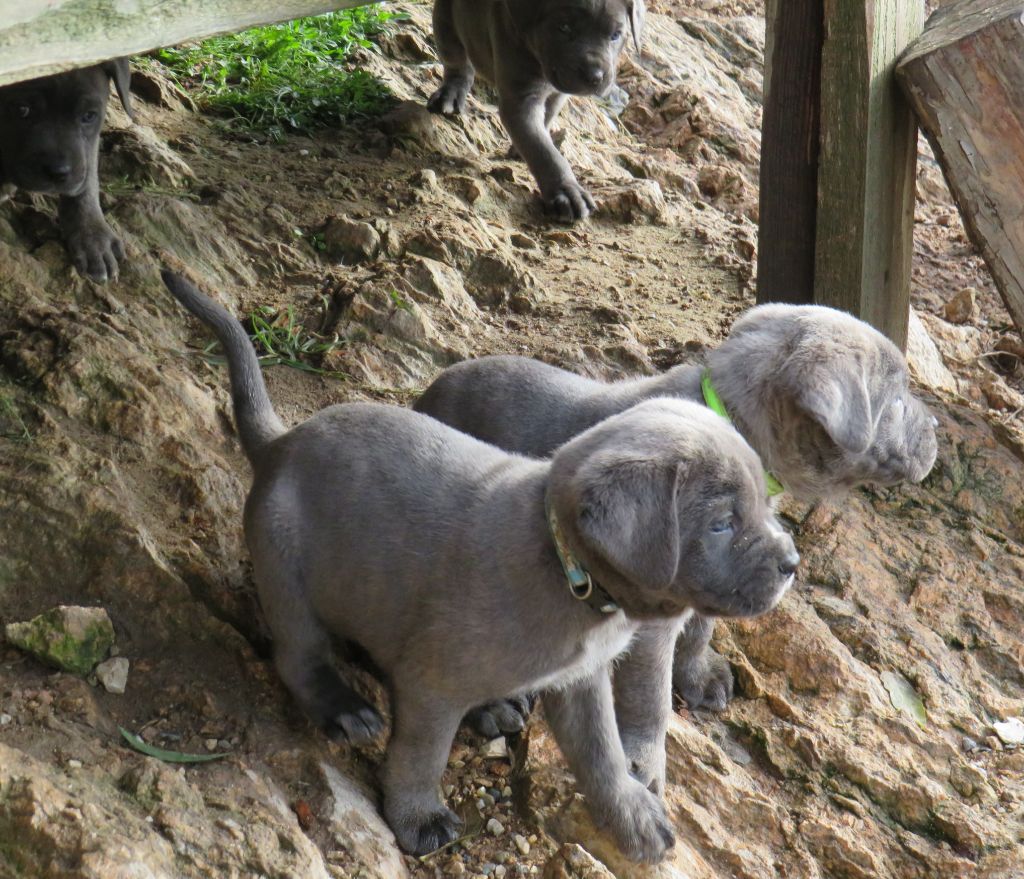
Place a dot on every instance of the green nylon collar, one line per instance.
(581, 585)
(715, 404)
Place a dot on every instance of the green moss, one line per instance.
(74, 639)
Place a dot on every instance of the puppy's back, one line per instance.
(512, 402)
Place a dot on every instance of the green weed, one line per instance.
(12, 426)
(290, 76)
(283, 341)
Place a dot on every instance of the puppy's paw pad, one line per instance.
(503, 718)
(95, 252)
(358, 726)
(707, 684)
(437, 830)
(569, 202)
(449, 100)
(641, 826)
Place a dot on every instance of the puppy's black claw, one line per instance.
(438, 830)
(506, 717)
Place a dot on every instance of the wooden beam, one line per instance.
(788, 200)
(965, 79)
(39, 37)
(867, 164)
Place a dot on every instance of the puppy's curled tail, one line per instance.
(258, 423)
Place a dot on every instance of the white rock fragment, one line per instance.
(1010, 732)
(522, 844)
(495, 827)
(494, 749)
(113, 674)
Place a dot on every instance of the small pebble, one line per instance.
(968, 744)
(211, 744)
(449, 789)
(506, 791)
(495, 827)
(5, 719)
(521, 843)
(500, 870)
(994, 743)
(487, 869)
(74, 764)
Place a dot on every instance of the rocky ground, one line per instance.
(419, 242)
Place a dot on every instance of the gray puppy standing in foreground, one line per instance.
(535, 53)
(822, 397)
(385, 527)
(49, 142)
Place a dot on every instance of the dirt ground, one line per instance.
(121, 485)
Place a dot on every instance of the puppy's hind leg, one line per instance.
(450, 98)
(303, 657)
(424, 727)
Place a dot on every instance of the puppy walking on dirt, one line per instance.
(379, 525)
(535, 53)
(49, 142)
(821, 396)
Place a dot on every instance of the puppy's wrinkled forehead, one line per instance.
(595, 13)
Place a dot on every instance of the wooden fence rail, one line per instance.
(39, 37)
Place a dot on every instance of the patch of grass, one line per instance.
(12, 426)
(283, 341)
(287, 77)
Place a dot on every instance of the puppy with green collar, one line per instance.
(382, 526)
(822, 397)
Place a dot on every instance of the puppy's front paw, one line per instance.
(357, 725)
(569, 202)
(505, 717)
(704, 681)
(95, 250)
(640, 826)
(645, 760)
(450, 98)
(420, 835)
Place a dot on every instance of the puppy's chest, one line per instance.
(595, 649)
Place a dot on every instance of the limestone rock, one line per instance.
(71, 638)
(574, 862)
(350, 241)
(924, 359)
(113, 674)
(962, 307)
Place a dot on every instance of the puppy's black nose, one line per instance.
(789, 563)
(58, 171)
(592, 75)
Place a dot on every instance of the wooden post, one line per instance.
(39, 37)
(965, 79)
(866, 181)
(788, 208)
(867, 148)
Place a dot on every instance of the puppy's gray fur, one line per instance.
(821, 396)
(535, 53)
(49, 142)
(385, 527)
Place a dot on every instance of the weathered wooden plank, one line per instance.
(39, 37)
(787, 211)
(965, 79)
(867, 163)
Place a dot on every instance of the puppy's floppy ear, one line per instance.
(120, 70)
(628, 514)
(637, 15)
(837, 397)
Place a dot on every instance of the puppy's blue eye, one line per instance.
(617, 36)
(88, 116)
(23, 111)
(723, 526)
